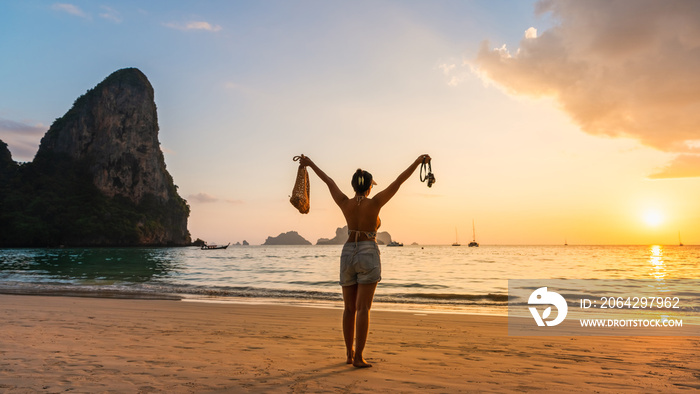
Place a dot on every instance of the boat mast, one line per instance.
(473, 231)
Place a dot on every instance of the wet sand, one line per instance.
(54, 344)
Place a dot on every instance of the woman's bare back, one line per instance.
(362, 215)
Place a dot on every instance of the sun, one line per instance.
(653, 218)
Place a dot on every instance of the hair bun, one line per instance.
(361, 180)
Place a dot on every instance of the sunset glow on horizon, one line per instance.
(546, 121)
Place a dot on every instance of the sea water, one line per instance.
(438, 278)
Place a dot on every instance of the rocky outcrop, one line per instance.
(288, 238)
(383, 238)
(99, 177)
(114, 127)
(341, 236)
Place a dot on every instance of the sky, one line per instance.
(548, 121)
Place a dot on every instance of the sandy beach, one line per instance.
(58, 344)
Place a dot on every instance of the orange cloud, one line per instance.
(683, 166)
(618, 68)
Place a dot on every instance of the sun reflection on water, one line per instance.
(658, 267)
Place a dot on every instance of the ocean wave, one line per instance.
(487, 298)
(316, 283)
(70, 290)
(178, 291)
(413, 285)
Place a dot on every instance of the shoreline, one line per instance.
(457, 303)
(405, 307)
(98, 344)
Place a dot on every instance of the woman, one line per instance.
(360, 268)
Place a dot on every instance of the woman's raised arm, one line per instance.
(385, 195)
(338, 196)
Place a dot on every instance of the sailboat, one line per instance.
(679, 239)
(473, 243)
(456, 239)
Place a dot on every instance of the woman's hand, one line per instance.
(423, 158)
(305, 161)
(337, 195)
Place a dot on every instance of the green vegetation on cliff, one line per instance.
(52, 201)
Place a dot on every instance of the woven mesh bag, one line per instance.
(301, 192)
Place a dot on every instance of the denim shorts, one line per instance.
(360, 263)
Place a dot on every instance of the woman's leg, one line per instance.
(350, 301)
(365, 295)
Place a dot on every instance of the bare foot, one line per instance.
(351, 357)
(361, 363)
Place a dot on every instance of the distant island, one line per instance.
(99, 177)
(341, 235)
(288, 238)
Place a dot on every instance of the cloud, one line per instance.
(21, 138)
(618, 68)
(194, 25)
(447, 68)
(203, 198)
(111, 14)
(70, 9)
(8, 126)
(683, 166)
(454, 75)
(531, 33)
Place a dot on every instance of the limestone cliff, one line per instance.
(341, 235)
(99, 177)
(383, 238)
(114, 126)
